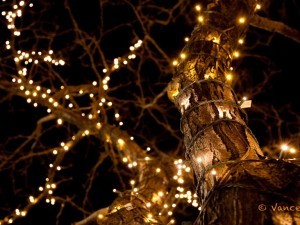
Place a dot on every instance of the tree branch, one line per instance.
(275, 26)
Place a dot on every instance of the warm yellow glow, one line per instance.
(284, 147)
(242, 20)
(292, 150)
(183, 55)
(241, 41)
(236, 54)
(213, 172)
(59, 121)
(132, 182)
(175, 63)
(206, 76)
(198, 8)
(121, 142)
(31, 199)
(100, 216)
(201, 19)
(229, 77)
(180, 180)
(216, 40)
(258, 6)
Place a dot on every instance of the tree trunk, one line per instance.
(236, 183)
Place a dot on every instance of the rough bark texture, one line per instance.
(245, 187)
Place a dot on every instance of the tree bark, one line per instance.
(236, 183)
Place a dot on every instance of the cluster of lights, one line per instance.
(167, 202)
(184, 170)
(35, 57)
(118, 61)
(285, 149)
(241, 20)
(11, 16)
(37, 92)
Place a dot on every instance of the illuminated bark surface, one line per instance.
(236, 183)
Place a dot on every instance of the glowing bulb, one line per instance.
(284, 147)
(132, 182)
(59, 121)
(201, 19)
(198, 8)
(229, 77)
(31, 199)
(121, 142)
(242, 20)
